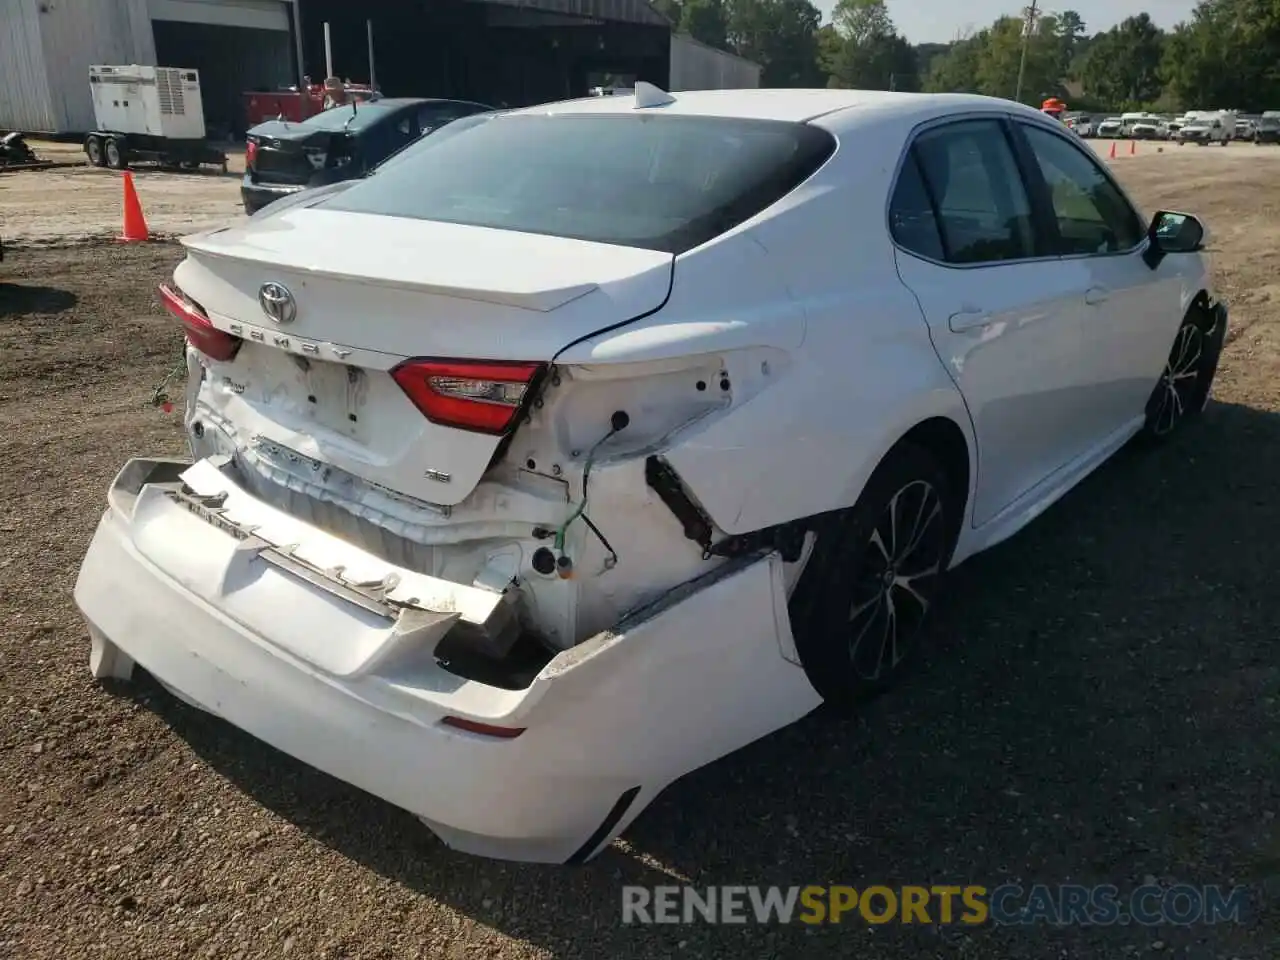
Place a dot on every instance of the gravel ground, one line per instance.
(83, 202)
(1100, 705)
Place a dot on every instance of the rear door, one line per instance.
(1003, 314)
(1130, 312)
(380, 140)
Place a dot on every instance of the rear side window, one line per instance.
(344, 117)
(658, 182)
(983, 210)
(380, 140)
(911, 219)
(436, 115)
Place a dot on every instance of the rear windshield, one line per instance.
(342, 118)
(658, 182)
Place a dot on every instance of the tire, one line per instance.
(855, 622)
(1182, 392)
(117, 158)
(93, 150)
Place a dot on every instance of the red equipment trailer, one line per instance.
(289, 104)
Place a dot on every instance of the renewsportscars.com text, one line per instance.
(969, 905)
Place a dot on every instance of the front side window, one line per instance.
(1092, 214)
(983, 210)
(659, 182)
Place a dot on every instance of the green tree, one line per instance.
(862, 20)
(866, 51)
(706, 21)
(956, 71)
(1072, 27)
(830, 48)
(1123, 64)
(1227, 55)
(669, 9)
(1000, 60)
(781, 36)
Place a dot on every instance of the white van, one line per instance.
(1127, 120)
(1208, 126)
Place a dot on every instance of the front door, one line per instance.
(1004, 318)
(1131, 313)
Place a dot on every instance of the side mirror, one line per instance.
(1172, 232)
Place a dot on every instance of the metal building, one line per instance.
(696, 66)
(503, 52)
(47, 47)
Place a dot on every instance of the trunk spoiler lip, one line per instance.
(538, 301)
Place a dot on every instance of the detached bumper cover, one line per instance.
(608, 724)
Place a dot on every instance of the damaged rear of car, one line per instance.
(432, 539)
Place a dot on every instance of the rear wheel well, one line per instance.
(945, 442)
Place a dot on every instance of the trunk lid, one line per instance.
(282, 152)
(311, 401)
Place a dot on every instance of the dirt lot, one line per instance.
(37, 207)
(1101, 705)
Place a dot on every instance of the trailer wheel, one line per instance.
(93, 150)
(117, 159)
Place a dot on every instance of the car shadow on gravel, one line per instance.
(1098, 705)
(22, 300)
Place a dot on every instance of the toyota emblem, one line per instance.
(277, 302)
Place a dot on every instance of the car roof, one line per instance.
(795, 105)
(394, 103)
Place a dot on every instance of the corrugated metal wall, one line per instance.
(696, 66)
(25, 103)
(78, 33)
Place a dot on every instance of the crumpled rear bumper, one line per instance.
(606, 725)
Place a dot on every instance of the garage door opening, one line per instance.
(231, 61)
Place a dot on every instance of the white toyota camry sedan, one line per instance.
(580, 445)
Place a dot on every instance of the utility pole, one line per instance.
(1030, 13)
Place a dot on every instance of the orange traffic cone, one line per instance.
(1113, 151)
(135, 224)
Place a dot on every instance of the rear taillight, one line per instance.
(250, 153)
(479, 395)
(201, 333)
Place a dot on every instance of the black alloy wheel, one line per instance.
(872, 579)
(1183, 389)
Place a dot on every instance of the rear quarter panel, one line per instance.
(859, 371)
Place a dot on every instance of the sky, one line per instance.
(937, 21)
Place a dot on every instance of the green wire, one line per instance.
(564, 527)
(586, 474)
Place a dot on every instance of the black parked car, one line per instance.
(341, 143)
(1267, 130)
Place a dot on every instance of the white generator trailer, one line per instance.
(148, 114)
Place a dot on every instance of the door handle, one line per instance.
(1096, 295)
(968, 320)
